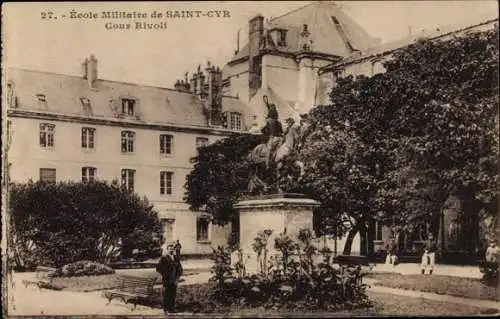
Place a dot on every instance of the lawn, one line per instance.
(102, 282)
(453, 286)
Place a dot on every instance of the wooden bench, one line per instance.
(133, 289)
(43, 278)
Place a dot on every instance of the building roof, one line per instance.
(437, 32)
(155, 104)
(328, 38)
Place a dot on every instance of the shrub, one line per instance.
(293, 280)
(57, 224)
(83, 268)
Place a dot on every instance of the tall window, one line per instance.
(166, 144)
(202, 224)
(48, 175)
(128, 139)
(128, 106)
(235, 121)
(47, 135)
(377, 67)
(88, 136)
(128, 178)
(201, 142)
(166, 183)
(88, 174)
(378, 230)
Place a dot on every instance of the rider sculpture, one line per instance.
(273, 130)
(277, 146)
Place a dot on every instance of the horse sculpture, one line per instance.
(275, 150)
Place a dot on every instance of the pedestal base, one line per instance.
(279, 213)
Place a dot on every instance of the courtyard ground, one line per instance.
(387, 301)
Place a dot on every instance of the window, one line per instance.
(88, 135)
(48, 175)
(202, 224)
(128, 106)
(201, 142)
(166, 144)
(282, 38)
(86, 106)
(128, 177)
(235, 121)
(378, 230)
(166, 183)
(377, 67)
(42, 101)
(47, 135)
(168, 230)
(128, 138)
(88, 174)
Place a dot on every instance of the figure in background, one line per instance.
(177, 248)
(391, 257)
(492, 260)
(429, 255)
(171, 270)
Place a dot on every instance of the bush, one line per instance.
(293, 280)
(83, 268)
(56, 224)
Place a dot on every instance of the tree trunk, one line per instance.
(350, 237)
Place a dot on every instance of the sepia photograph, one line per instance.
(201, 159)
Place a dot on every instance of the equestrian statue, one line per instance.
(267, 159)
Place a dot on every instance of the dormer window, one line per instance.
(282, 38)
(42, 101)
(86, 106)
(128, 107)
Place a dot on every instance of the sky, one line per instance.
(159, 57)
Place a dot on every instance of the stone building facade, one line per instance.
(81, 127)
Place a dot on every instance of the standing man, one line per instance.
(391, 252)
(429, 256)
(170, 270)
(177, 248)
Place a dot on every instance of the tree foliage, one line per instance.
(391, 147)
(398, 144)
(220, 176)
(56, 224)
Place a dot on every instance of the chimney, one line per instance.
(209, 70)
(92, 71)
(255, 34)
(193, 83)
(409, 31)
(201, 81)
(84, 68)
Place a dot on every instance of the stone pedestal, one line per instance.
(292, 212)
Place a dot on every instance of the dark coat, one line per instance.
(170, 269)
(430, 245)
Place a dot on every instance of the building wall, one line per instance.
(282, 75)
(68, 158)
(238, 75)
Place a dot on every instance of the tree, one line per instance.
(391, 147)
(220, 176)
(65, 222)
(422, 131)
